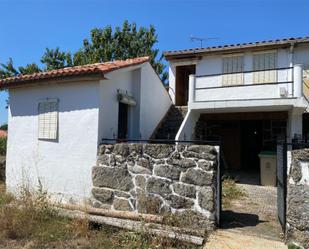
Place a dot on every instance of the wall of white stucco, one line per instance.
(152, 102)
(155, 101)
(64, 165)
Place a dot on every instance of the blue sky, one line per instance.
(27, 27)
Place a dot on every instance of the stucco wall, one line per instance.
(212, 64)
(152, 102)
(298, 198)
(155, 101)
(159, 179)
(63, 165)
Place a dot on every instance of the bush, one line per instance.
(3, 141)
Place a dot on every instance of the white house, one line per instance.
(248, 95)
(57, 119)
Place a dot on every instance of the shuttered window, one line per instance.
(48, 119)
(264, 62)
(232, 70)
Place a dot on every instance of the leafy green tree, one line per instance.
(4, 127)
(8, 69)
(104, 45)
(123, 43)
(55, 59)
(29, 69)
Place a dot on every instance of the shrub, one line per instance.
(3, 141)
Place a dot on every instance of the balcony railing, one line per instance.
(247, 85)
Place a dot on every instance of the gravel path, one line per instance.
(223, 239)
(255, 214)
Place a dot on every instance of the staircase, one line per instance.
(171, 123)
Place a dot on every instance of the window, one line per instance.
(232, 70)
(266, 62)
(48, 119)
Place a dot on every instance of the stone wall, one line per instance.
(2, 169)
(158, 179)
(298, 199)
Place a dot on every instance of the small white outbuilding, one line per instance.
(58, 118)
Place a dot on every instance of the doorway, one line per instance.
(182, 84)
(123, 117)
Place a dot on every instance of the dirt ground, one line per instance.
(256, 213)
(251, 221)
(224, 239)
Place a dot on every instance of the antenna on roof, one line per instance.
(201, 40)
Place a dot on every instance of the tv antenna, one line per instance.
(201, 40)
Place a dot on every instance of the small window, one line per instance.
(232, 70)
(48, 119)
(263, 63)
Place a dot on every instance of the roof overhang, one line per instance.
(197, 53)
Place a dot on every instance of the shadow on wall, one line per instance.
(24, 102)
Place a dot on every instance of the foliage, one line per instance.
(105, 44)
(31, 218)
(55, 59)
(4, 127)
(230, 192)
(3, 141)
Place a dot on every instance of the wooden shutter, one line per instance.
(232, 70)
(48, 119)
(263, 63)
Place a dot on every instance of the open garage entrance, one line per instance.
(247, 206)
(243, 135)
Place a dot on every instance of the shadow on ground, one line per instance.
(231, 219)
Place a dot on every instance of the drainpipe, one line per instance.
(298, 80)
(291, 65)
(191, 88)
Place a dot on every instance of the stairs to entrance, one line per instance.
(171, 123)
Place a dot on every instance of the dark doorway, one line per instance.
(251, 143)
(123, 121)
(182, 83)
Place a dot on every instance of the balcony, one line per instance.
(275, 87)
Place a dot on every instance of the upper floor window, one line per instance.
(48, 119)
(263, 63)
(232, 70)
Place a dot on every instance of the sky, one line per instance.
(27, 27)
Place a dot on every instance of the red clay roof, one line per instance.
(3, 133)
(240, 46)
(97, 68)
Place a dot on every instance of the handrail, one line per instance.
(247, 71)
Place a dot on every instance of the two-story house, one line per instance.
(248, 95)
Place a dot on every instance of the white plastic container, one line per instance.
(268, 168)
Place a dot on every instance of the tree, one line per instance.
(122, 43)
(4, 127)
(55, 59)
(104, 45)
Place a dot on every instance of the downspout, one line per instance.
(291, 59)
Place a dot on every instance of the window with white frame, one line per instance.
(232, 70)
(263, 63)
(48, 119)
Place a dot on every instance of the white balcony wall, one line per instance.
(237, 92)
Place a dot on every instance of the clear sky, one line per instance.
(27, 27)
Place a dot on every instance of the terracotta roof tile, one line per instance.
(100, 68)
(227, 47)
(3, 133)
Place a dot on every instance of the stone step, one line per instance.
(172, 122)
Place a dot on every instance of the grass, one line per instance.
(30, 222)
(230, 192)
